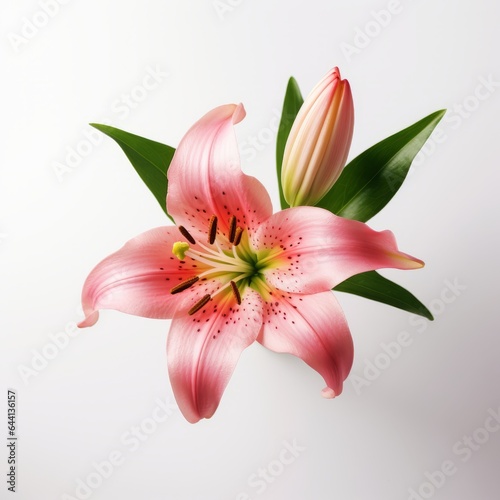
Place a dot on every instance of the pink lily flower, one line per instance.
(232, 273)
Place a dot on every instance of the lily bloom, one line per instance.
(232, 273)
(318, 144)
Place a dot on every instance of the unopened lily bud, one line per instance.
(319, 141)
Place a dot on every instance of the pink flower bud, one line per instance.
(319, 141)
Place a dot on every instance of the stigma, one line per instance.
(179, 249)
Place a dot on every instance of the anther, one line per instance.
(237, 236)
(232, 228)
(199, 304)
(236, 292)
(212, 229)
(186, 235)
(184, 285)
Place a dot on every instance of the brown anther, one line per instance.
(237, 236)
(184, 285)
(232, 228)
(212, 229)
(199, 304)
(186, 235)
(236, 292)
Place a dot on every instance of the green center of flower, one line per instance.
(236, 268)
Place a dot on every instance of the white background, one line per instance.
(376, 441)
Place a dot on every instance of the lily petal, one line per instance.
(203, 350)
(205, 177)
(313, 328)
(314, 250)
(137, 279)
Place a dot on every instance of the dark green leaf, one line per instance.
(150, 159)
(291, 105)
(372, 285)
(369, 181)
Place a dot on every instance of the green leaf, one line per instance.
(372, 285)
(150, 159)
(291, 105)
(369, 181)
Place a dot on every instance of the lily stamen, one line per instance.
(237, 236)
(186, 235)
(212, 229)
(220, 263)
(236, 292)
(199, 304)
(184, 285)
(232, 228)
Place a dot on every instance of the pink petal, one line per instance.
(313, 328)
(205, 178)
(137, 278)
(203, 350)
(316, 250)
